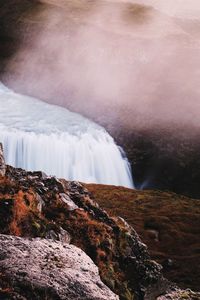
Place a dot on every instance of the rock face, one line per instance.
(2, 162)
(55, 213)
(40, 268)
(34, 205)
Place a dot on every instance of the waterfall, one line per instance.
(40, 136)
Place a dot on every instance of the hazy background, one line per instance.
(136, 63)
(133, 67)
(177, 8)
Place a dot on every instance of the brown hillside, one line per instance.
(168, 223)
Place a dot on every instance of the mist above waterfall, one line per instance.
(133, 68)
(40, 136)
(136, 64)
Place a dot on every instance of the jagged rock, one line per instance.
(40, 269)
(66, 199)
(38, 206)
(2, 162)
(123, 260)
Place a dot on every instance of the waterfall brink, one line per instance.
(40, 136)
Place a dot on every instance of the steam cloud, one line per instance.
(133, 63)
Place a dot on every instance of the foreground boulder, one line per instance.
(43, 269)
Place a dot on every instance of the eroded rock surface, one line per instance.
(43, 269)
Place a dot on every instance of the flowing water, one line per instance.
(40, 136)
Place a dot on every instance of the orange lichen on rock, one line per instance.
(41, 206)
(20, 210)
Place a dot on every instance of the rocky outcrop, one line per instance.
(2, 162)
(55, 213)
(34, 205)
(43, 269)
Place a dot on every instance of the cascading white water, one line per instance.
(40, 136)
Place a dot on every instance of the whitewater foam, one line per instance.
(40, 136)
